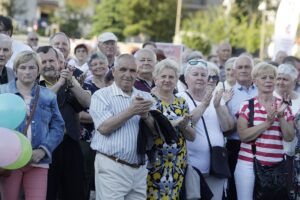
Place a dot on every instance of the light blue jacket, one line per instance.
(47, 125)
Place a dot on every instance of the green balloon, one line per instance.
(25, 156)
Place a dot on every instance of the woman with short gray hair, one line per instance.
(206, 104)
(285, 84)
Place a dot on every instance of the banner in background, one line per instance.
(286, 25)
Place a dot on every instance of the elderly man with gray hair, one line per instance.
(6, 73)
(116, 111)
(243, 89)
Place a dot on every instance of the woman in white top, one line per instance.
(285, 84)
(216, 116)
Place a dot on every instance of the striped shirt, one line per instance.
(269, 144)
(108, 102)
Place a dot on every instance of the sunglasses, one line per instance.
(214, 78)
(195, 62)
(34, 39)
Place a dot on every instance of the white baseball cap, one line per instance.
(107, 36)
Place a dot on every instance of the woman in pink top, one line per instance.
(272, 124)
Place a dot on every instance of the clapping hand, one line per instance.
(227, 95)
(140, 106)
(182, 122)
(286, 101)
(271, 113)
(207, 98)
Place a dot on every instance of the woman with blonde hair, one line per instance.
(262, 126)
(166, 173)
(44, 128)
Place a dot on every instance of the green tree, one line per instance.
(242, 31)
(70, 20)
(108, 17)
(153, 18)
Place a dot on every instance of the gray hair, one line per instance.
(243, 56)
(288, 69)
(166, 64)
(201, 65)
(97, 55)
(59, 33)
(148, 51)
(212, 67)
(121, 57)
(230, 62)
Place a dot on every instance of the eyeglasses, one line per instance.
(214, 78)
(195, 62)
(34, 39)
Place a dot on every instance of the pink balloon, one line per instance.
(10, 147)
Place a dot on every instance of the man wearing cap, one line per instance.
(107, 44)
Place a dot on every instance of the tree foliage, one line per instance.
(242, 31)
(70, 18)
(153, 18)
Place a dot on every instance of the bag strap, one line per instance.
(250, 122)
(203, 121)
(29, 119)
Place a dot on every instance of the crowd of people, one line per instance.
(106, 125)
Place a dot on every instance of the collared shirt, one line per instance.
(241, 93)
(45, 82)
(122, 143)
(143, 85)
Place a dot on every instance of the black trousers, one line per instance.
(66, 179)
(233, 148)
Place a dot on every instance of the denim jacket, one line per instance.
(47, 125)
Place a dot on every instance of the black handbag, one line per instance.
(270, 181)
(219, 165)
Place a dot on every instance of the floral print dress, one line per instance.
(165, 176)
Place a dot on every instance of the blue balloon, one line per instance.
(12, 110)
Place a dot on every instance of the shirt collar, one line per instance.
(116, 91)
(13, 87)
(241, 87)
(45, 82)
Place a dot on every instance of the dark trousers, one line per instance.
(233, 148)
(66, 173)
(89, 169)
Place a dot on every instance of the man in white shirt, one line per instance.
(116, 111)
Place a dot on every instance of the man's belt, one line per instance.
(121, 161)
